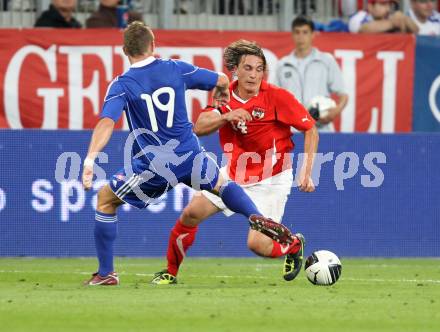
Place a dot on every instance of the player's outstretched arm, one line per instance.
(101, 135)
(311, 139)
(210, 121)
(411, 26)
(377, 26)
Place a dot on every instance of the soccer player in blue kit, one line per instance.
(164, 149)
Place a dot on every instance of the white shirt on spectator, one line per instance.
(432, 25)
(357, 20)
(318, 74)
(348, 7)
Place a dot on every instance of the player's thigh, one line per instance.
(279, 197)
(281, 208)
(280, 192)
(269, 199)
(198, 209)
(207, 175)
(108, 202)
(138, 187)
(262, 197)
(220, 181)
(204, 173)
(223, 178)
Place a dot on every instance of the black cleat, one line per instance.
(293, 262)
(270, 228)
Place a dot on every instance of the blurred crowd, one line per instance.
(314, 76)
(385, 16)
(371, 16)
(109, 14)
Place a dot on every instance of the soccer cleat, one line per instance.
(270, 228)
(111, 279)
(163, 278)
(293, 262)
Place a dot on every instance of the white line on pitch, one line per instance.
(434, 281)
(392, 280)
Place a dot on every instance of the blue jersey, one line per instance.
(165, 150)
(152, 94)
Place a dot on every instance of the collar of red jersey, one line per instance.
(143, 63)
(264, 86)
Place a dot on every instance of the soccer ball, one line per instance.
(323, 268)
(324, 104)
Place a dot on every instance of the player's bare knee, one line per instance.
(190, 216)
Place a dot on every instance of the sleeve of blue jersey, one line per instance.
(114, 102)
(197, 78)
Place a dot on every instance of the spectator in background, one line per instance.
(106, 16)
(308, 73)
(59, 15)
(349, 7)
(19, 5)
(427, 19)
(379, 19)
(230, 7)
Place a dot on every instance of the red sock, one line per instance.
(181, 238)
(281, 250)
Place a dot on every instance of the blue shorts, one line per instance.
(143, 182)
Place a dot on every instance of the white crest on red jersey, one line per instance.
(258, 113)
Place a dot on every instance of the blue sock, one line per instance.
(106, 230)
(237, 200)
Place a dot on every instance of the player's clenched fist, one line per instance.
(306, 183)
(87, 176)
(221, 97)
(221, 93)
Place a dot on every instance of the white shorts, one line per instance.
(270, 195)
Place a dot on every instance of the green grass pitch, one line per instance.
(219, 295)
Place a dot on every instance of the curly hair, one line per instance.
(234, 52)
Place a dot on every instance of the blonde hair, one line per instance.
(137, 38)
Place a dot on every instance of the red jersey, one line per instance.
(261, 148)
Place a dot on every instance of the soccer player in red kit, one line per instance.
(255, 132)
